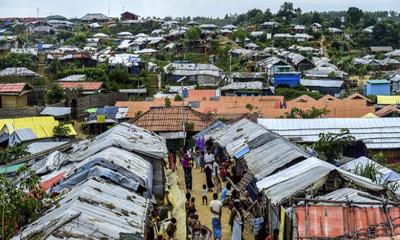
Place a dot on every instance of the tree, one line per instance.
(370, 171)
(385, 33)
(332, 145)
(167, 102)
(287, 11)
(307, 114)
(56, 94)
(119, 75)
(193, 34)
(240, 34)
(178, 97)
(19, 208)
(17, 60)
(55, 67)
(353, 16)
(61, 130)
(249, 107)
(379, 158)
(78, 40)
(332, 75)
(316, 18)
(12, 153)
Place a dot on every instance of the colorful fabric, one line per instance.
(257, 224)
(188, 178)
(237, 231)
(216, 225)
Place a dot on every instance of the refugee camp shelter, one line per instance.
(377, 87)
(94, 209)
(379, 134)
(174, 123)
(14, 95)
(306, 176)
(143, 143)
(21, 130)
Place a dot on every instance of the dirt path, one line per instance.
(204, 211)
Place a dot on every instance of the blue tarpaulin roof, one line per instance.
(241, 152)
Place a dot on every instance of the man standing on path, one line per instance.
(216, 210)
(209, 161)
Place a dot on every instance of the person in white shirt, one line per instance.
(209, 161)
(216, 178)
(216, 210)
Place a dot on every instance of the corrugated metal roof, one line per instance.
(37, 147)
(216, 126)
(347, 195)
(378, 133)
(388, 100)
(18, 71)
(310, 174)
(73, 78)
(237, 135)
(56, 111)
(189, 69)
(273, 155)
(95, 209)
(321, 83)
(256, 85)
(94, 16)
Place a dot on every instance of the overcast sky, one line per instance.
(161, 8)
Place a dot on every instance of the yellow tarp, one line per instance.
(42, 127)
(388, 100)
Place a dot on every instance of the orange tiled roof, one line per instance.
(200, 94)
(266, 106)
(171, 119)
(86, 86)
(13, 87)
(358, 96)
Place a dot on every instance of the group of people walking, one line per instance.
(215, 175)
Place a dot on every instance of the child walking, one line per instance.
(204, 193)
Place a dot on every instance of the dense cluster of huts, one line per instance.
(106, 187)
(305, 197)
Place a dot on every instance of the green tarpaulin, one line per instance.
(10, 168)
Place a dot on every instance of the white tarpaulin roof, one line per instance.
(307, 175)
(128, 137)
(379, 133)
(141, 168)
(96, 210)
(238, 134)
